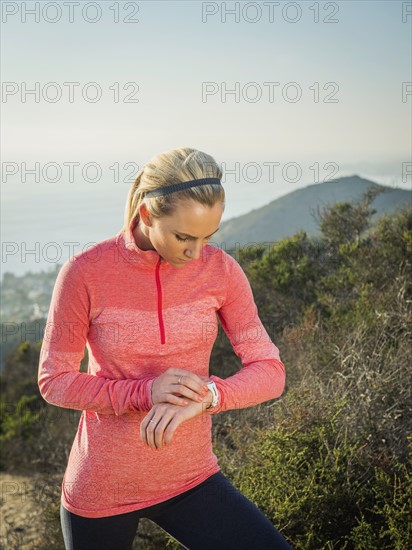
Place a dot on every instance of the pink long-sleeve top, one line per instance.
(138, 315)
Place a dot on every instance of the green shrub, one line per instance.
(299, 476)
(324, 490)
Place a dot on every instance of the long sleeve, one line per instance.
(59, 378)
(262, 377)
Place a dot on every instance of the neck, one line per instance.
(141, 240)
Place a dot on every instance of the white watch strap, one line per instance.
(212, 387)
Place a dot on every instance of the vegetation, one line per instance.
(330, 462)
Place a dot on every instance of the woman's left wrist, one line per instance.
(208, 399)
(212, 394)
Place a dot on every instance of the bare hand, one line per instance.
(181, 382)
(159, 425)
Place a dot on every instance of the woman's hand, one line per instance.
(178, 381)
(159, 425)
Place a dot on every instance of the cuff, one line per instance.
(143, 394)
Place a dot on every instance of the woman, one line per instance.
(144, 303)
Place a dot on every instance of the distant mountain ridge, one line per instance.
(292, 212)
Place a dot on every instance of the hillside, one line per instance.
(290, 213)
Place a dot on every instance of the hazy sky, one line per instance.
(338, 99)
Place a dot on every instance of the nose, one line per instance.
(194, 252)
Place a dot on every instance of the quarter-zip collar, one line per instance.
(148, 259)
(131, 252)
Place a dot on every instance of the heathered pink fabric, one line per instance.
(137, 315)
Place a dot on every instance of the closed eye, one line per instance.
(187, 238)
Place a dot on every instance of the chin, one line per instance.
(176, 263)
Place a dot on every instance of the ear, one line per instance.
(144, 215)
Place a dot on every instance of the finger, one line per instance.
(150, 432)
(169, 397)
(159, 432)
(188, 393)
(143, 426)
(143, 432)
(195, 386)
(189, 379)
(170, 431)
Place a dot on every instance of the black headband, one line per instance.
(179, 186)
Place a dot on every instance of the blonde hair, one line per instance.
(167, 168)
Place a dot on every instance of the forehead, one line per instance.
(195, 219)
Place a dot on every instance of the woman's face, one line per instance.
(179, 238)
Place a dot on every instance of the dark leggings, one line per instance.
(214, 514)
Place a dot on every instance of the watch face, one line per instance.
(215, 393)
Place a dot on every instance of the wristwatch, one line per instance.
(212, 387)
